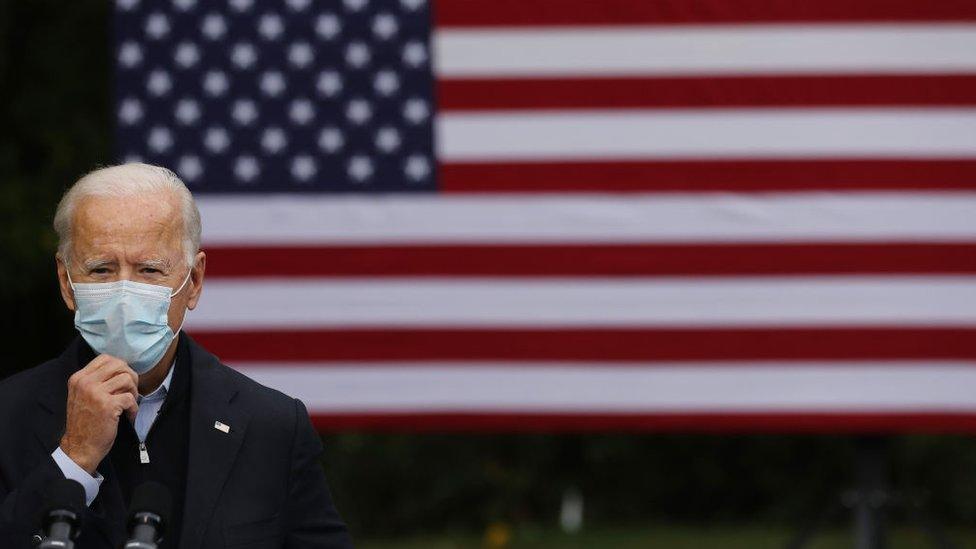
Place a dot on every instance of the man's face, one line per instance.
(137, 238)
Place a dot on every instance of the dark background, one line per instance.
(56, 122)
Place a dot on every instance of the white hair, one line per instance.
(128, 180)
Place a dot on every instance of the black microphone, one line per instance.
(148, 515)
(62, 514)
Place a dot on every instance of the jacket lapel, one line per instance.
(52, 399)
(212, 451)
(49, 424)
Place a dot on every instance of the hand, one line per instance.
(98, 394)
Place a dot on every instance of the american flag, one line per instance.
(571, 214)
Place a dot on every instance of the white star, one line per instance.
(412, 5)
(246, 168)
(416, 110)
(190, 167)
(127, 5)
(184, 5)
(273, 83)
(213, 26)
(187, 111)
(329, 83)
(243, 55)
(244, 111)
(157, 26)
(417, 167)
(385, 26)
(355, 5)
(387, 139)
(386, 82)
(241, 5)
(274, 140)
(160, 139)
(130, 54)
(357, 54)
(270, 26)
(300, 54)
(215, 83)
(415, 54)
(360, 167)
(216, 140)
(359, 111)
(187, 54)
(301, 111)
(159, 82)
(130, 111)
(303, 167)
(298, 5)
(327, 26)
(330, 139)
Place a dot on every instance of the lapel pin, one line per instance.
(221, 427)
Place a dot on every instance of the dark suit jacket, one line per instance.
(259, 486)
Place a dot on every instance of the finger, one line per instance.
(113, 368)
(96, 364)
(121, 383)
(99, 362)
(125, 402)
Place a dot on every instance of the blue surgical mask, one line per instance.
(126, 319)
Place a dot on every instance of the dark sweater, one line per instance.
(167, 445)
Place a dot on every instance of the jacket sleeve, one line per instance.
(311, 517)
(21, 507)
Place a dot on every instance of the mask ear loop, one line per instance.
(178, 290)
(185, 280)
(67, 271)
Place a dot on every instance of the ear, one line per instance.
(196, 280)
(67, 294)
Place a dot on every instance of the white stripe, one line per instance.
(740, 301)
(594, 387)
(335, 219)
(718, 49)
(691, 133)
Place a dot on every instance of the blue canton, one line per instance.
(293, 96)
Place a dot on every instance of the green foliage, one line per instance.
(56, 123)
(393, 484)
(664, 536)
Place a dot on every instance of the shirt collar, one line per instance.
(163, 389)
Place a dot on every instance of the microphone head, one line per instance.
(64, 500)
(65, 494)
(150, 497)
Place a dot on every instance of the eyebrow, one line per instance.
(90, 264)
(160, 264)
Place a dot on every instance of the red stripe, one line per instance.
(851, 422)
(776, 91)
(708, 175)
(465, 13)
(608, 345)
(593, 260)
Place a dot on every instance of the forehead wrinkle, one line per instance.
(149, 215)
(128, 228)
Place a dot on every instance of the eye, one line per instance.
(150, 270)
(99, 270)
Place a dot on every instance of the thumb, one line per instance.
(131, 412)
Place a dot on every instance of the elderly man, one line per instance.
(133, 399)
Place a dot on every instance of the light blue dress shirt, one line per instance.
(149, 407)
